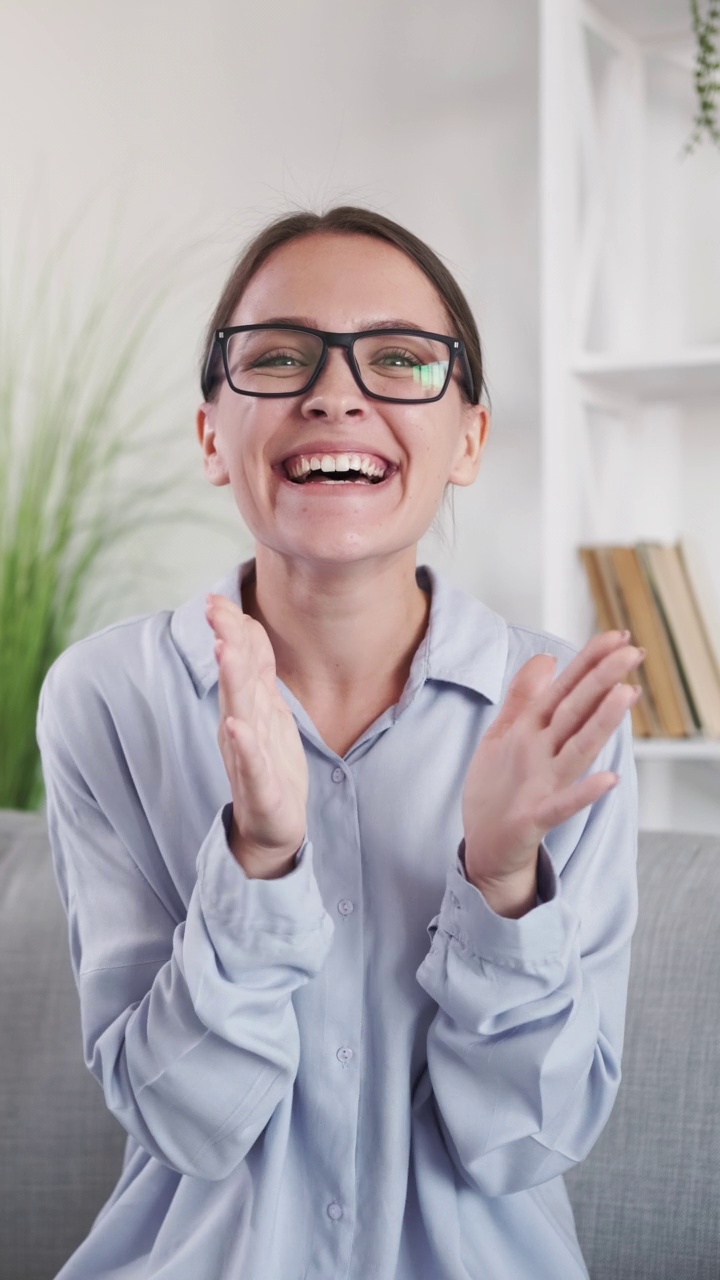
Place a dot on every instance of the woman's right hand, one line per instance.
(260, 744)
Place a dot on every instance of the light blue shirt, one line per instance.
(358, 1071)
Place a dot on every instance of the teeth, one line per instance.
(300, 466)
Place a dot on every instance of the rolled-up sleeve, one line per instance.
(187, 1024)
(524, 1051)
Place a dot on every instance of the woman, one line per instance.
(352, 965)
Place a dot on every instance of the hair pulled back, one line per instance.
(348, 220)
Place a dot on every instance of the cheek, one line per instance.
(242, 435)
(433, 447)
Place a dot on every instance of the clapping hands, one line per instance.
(525, 776)
(260, 745)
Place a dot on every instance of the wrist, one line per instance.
(260, 864)
(512, 895)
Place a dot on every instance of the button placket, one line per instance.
(344, 1002)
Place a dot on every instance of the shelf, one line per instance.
(676, 375)
(677, 749)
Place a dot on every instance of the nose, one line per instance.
(336, 392)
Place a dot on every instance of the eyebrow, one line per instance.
(394, 323)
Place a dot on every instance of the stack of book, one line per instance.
(663, 595)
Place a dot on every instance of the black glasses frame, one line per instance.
(347, 340)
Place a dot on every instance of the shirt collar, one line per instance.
(466, 643)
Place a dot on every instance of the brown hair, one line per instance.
(347, 219)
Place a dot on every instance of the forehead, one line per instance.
(341, 283)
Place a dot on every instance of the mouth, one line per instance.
(327, 487)
(340, 474)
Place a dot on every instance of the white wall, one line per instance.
(200, 121)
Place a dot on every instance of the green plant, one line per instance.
(707, 64)
(70, 370)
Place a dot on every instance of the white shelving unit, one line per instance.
(630, 324)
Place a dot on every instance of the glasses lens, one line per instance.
(403, 366)
(272, 361)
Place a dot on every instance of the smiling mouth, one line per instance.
(334, 478)
(315, 478)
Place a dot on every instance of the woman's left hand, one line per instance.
(523, 778)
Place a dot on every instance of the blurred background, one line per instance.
(193, 124)
(142, 145)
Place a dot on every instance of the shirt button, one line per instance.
(345, 907)
(334, 1210)
(337, 774)
(344, 1055)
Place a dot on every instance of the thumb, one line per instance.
(528, 684)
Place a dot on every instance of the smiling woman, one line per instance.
(348, 859)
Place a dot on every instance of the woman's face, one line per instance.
(341, 283)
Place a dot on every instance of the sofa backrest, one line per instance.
(61, 1149)
(646, 1201)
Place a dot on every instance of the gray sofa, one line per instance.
(647, 1199)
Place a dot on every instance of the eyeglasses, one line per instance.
(403, 365)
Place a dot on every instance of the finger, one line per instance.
(250, 756)
(578, 753)
(563, 804)
(594, 651)
(240, 638)
(586, 696)
(239, 629)
(237, 679)
(526, 687)
(223, 690)
(224, 614)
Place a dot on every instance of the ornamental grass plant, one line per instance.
(70, 418)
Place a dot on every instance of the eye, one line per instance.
(394, 357)
(278, 359)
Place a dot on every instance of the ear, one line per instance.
(476, 430)
(213, 461)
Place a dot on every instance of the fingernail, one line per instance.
(625, 635)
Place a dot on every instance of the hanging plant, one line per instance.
(707, 64)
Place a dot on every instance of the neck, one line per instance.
(342, 635)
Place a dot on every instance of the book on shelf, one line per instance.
(647, 628)
(663, 595)
(683, 623)
(703, 595)
(611, 616)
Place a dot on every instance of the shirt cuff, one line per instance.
(545, 932)
(547, 883)
(286, 905)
